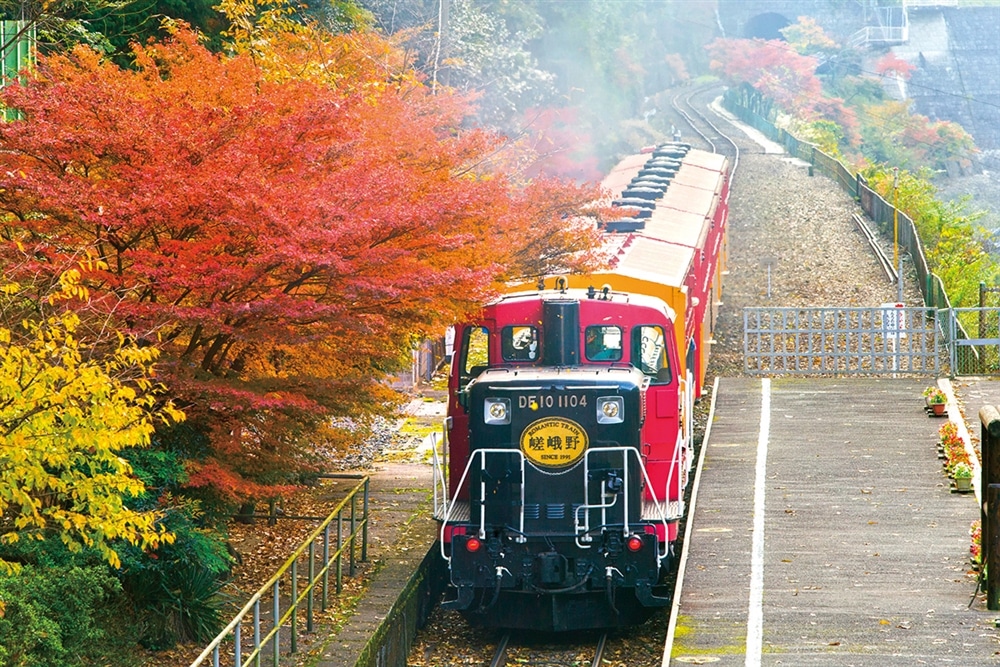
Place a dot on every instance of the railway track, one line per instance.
(883, 259)
(549, 654)
(692, 106)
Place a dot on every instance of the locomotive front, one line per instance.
(558, 526)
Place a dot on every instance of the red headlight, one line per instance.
(634, 543)
(473, 544)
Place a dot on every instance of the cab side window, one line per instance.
(603, 343)
(649, 353)
(519, 343)
(475, 354)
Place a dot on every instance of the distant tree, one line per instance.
(893, 134)
(487, 55)
(787, 78)
(771, 68)
(561, 148)
(807, 38)
(602, 60)
(677, 67)
(282, 222)
(892, 64)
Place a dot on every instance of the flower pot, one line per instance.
(963, 484)
(938, 409)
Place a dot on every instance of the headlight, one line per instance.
(496, 411)
(610, 409)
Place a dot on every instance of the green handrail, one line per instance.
(233, 629)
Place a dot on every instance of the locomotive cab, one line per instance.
(567, 461)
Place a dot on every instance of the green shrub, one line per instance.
(177, 590)
(63, 617)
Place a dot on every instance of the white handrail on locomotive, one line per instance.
(481, 453)
(439, 470)
(583, 538)
(581, 531)
(687, 427)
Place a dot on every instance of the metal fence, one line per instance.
(840, 341)
(284, 609)
(965, 356)
(973, 340)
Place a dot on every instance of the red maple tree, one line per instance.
(891, 64)
(782, 74)
(772, 67)
(283, 239)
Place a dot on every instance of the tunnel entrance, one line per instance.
(766, 26)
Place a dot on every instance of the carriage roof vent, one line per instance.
(626, 224)
(642, 193)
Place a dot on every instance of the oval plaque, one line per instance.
(554, 442)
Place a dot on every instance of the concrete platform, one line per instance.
(401, 534)
(825, 533)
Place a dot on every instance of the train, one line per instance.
(569, 426)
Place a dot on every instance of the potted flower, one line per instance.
(962, 473)
(947, 436)
(935, 399)
(976, 547)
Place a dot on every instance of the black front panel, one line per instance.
(554, 422)
(561, 323)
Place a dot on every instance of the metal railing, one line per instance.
(439, 469)
(229, 642)
(977, 353)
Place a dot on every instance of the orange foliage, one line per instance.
(892, 64)
(772, 68)
(282, 238)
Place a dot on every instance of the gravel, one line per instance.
(801, 227)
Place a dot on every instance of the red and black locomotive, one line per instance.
(569, 452)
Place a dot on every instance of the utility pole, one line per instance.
(897, 258)
(441, 50)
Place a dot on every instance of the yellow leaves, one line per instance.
(63, 417)
(70, 288)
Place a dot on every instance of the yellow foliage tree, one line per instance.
(65, 417)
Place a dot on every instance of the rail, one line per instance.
(755, 110)
(547, 655)
(883, 259)
(229, 642)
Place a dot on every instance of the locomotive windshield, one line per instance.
(474, 357)
(650, 349)
(603, 343)
(519, 343)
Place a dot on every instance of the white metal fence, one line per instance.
(840, 341)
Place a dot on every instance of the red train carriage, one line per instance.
(675, 247)
(569, 413)
(566, 460)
